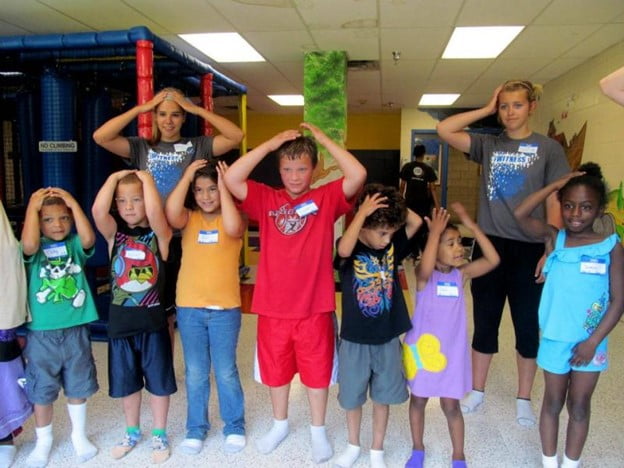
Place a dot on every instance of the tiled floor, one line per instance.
(493, 439)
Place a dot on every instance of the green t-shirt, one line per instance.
(58, 292)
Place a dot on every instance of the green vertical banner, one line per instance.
(325, 96)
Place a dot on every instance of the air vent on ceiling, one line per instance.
(363, 65)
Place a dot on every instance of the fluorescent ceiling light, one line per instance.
(287, 99)
(480, 42)
(223, 47)
(438, 99)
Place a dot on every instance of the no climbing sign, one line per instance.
(58, 146)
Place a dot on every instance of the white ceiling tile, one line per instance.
(280, 46)
(547, 41)
(246, 17)
(454, 76)
(415, 43)
(580, 12)
(600, 40)
(342, 14)
(360, 44)
(500, 12)
(418, 13)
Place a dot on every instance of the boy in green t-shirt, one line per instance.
(58, 350)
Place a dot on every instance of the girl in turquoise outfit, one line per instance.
(581, 303)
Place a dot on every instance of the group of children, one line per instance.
(295, 301)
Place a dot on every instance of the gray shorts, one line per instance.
(59, 358)
(379, 367)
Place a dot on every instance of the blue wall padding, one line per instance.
(95, 161)
(27, 104)
(57, 124)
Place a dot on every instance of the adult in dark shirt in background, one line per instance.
(418, 187)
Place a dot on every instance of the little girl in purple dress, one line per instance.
(14, 407)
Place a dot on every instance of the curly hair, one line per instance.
(393, 215)
(592, 178)
(298, 147)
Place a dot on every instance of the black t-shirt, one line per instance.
(417, 176)
(373, 306)
(137, 277)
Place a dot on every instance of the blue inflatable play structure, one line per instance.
(56, 89)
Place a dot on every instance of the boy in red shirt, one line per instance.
(294, 294)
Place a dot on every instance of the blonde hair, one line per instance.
(534, 91)
(156, 136)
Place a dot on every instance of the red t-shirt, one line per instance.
(295, 276)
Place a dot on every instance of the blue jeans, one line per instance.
(210, 336)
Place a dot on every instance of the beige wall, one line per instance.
(578, 93)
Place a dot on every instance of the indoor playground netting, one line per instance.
(57, 89)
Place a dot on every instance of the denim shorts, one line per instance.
(59, 359)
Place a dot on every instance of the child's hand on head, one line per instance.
(564, 180)
(222, 167)
(37, 197)
(282, 137)
(372, 203)
(64, 195)
(439, 219)
(313, 129)
(192, 168)
(462, 214)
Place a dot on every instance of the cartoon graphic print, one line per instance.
(166, 168)
(425, 354)
(287, 221)
(595, 313)
(373, 282)
(135, 271)
(507, 173)
(58, 284)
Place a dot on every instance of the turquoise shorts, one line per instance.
(554, 357)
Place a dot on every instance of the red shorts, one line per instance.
(286, 347)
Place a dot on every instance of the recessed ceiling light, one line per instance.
(438, 99)
(480, 42)
(223, 47)
(287, 99)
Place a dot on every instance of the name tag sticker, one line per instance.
(447, 289)
(182, 147)
(134, 254)
(208, 237)
(56, 250)
(306, 208)
(593, 266)
(528, 148)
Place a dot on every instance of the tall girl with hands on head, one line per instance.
(435, 350)
(208, 301)
(581, 303)
(515, 164)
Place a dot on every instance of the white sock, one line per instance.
(550, 462)
(7, 454)
(524, 413)
(348, 457)
(85, 450)
(39, 456)
(275, 436)
(471, 402)
(377, 459)
(321, 448)
(567, 463)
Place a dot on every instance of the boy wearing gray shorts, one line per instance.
(374, 314)
(58, 351)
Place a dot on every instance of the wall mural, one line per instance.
(574, 153)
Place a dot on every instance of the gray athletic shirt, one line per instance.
(166, 161)
(512, 170)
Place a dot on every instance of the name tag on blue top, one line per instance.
(134, 254)
(208, 237)
(527, 148)
(447, 289)
(306, 208)
(593, 266)
(56, 250)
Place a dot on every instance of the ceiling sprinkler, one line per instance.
(396, 56)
